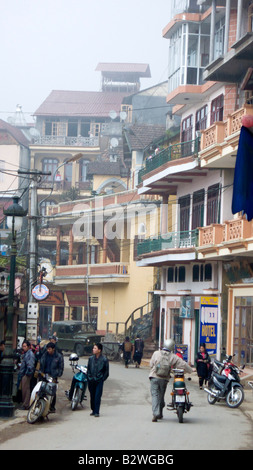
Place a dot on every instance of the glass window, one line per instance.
(217, 109)
(170, 276)
(181, 274)
(50, 164)
(198, 209)
(195, 273)
(83, 170)
(213, 204)
(208, 272)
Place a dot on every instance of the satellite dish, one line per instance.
(123, 115)
(114, 142)
(113, 114)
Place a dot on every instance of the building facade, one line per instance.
(197, 304)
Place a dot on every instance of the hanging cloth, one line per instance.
(242, 199)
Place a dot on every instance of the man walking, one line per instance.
(97, 373)
(161, 363)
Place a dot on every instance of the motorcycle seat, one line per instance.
(219, 377)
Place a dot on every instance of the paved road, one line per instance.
(125, 421)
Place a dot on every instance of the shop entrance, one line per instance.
(243, 331)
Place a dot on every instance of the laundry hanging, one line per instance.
(242, 199)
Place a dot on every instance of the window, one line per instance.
(213, 204)
(184, 203)
(219, 38)
(54, 127)
(208, 272)
(181, 274)
(217, 109)
(201, 272)
(201, 119)
(83, 170)
(72, 128)
(50, 164)
(170, 276)
(176, 274)
(198, 209)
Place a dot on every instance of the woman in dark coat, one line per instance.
(202, 365)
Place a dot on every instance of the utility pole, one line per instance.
(33, 218)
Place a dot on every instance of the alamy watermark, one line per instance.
(118, 220)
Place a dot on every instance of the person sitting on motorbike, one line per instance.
(52, 363)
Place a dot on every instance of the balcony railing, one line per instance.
(66, 141)
(169, 241)
(219, 131)
(229, 232)
(173, 152)
(98, 270)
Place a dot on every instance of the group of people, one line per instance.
(47, 359)
(133, 351)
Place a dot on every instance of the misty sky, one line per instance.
(56, 45)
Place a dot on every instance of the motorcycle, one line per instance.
(41, 398)
(76, 394)
(180, 395)
(225, 384)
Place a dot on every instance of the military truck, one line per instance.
(75, 336)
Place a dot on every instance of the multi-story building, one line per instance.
(206, 41)
(80, 139)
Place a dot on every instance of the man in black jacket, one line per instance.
(98, 372)
(52, 363)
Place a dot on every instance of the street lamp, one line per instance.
(14, 215)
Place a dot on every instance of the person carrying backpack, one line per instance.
(161, 363)
(127, 348)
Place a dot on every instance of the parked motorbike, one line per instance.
(180, 395)
(76, 394)
(225, 384)
(41, 398)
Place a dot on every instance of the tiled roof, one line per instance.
(80, 103)
(16, 133)
(139, 136)
(142, 70)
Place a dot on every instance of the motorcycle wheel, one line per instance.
(36, 411)
(210, 398)
(180, 414)
(76, 398)
(233, 400)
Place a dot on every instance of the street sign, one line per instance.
(40, 292)
(209, 323)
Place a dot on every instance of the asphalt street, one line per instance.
(125, 420)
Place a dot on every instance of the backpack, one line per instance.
(162, 368)
(127, 346)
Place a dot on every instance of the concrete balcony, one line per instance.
(221, 240)
(219, 142)
(176, 246)
(98, 274)
(62, 141)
